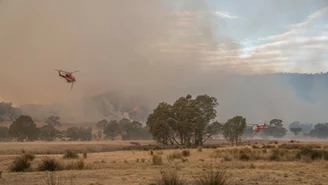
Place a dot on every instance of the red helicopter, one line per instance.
(67, 76)
(259, 127)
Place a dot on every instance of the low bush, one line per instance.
(170, 177)
(186, 153)
(22, 162)
(311, 154)
(69, 154)
(85, 155)
(49, 164)
(157, 159)
(212, 178)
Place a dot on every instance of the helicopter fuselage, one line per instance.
(68, 77)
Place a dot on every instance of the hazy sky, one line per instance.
(163, 50)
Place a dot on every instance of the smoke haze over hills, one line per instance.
(153, 51)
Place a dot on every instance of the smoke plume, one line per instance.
(144, 51)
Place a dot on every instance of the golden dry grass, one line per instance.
(136, 167)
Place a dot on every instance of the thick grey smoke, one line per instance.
(118, 47)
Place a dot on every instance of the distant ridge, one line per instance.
(114, 104)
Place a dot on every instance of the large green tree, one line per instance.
(187, 122)
(101, 124)
(24, 128)
(48, 132)
(130, 130)
(296, 130)
(79, 133)
(275, 129)
(233, 129)
(160, 124)
(112, 129)
(4, 134)
(320, 131)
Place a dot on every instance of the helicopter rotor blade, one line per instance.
(74, 71)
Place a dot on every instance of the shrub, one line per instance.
(85, 155)
(212, 178)
(69, 154)
(275, 155)
(312, 154)
(22, 162)
(157, 160)
(199, 149)
(49, 164)
(170, 177)
(29, 156)
(243, 156)
(186, 153)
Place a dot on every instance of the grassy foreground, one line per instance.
(262, 163)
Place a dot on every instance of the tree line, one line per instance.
(188, 121)
(191, 121)
(25, 129)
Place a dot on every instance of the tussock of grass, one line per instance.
(212, 178)
(50, 164)
(186, 153)
(175, 155)
(29, 156)
(170, 177)
(178, 155)
(22, 163)
(69, 154)
(157, 159)
(76, 165)
(52, 180)
(85, 155)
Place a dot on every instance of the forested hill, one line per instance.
(111, 105)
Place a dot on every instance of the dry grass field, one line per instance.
(253, 163)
